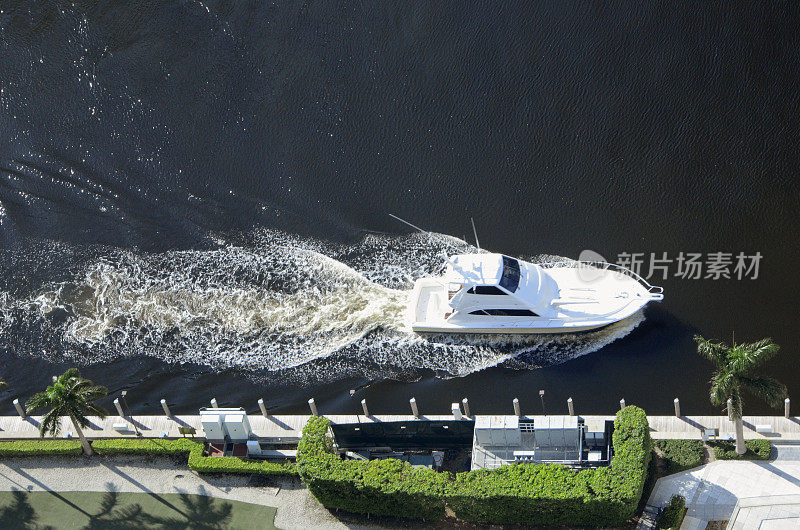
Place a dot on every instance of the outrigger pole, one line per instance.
(430, 236)
(409, 224)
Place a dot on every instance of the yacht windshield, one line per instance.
(510, 279)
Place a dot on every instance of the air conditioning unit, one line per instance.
(237, 427)
(212, 426)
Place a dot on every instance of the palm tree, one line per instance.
(70, 395)
(736, 370)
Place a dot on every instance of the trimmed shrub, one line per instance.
(40, 447)
(756, 450)
(380, 487)
(194, 448)
(146, 446)
(680, 455)
(673, 513)
(531, 494)
(554, 495)
(234, 464)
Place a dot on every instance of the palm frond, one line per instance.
(81, 385)
(51, 424)
(744, 358)
(723, 386)
(715, 352)
(37, 403)
(72, 373)
(767, 388)
(93, 392)
(96, 410)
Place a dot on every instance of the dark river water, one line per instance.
(194, 195)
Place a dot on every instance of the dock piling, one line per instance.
(730, 409)
(786, 408)
(414, 408)
(165, 407)
(622, 403)
(516, 407)
(465, 402)
(21, 411)
(677, 403)
(313, 406)
(455, 408)
(118, 406)
(214, 403)
(570, 407)
(262, 407)
(364, 407)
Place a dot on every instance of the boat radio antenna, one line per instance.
(475, 232)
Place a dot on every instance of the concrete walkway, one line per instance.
(778, 512)
(712, 490)
(289, 427)
(296, 507)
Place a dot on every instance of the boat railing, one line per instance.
(602, 265)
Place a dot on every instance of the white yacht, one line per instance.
(494, 293)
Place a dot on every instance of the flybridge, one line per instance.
(486, 269)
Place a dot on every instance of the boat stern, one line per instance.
(428, 305)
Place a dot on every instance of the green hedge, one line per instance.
(146, 446)
(380, 487)
(194, 448)
(40, 447)
(532, 494)
(554, 495)
(673, 513)
(149, 446)
(756, 450)
(233, 464)
(680, 455)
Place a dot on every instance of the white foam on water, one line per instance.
(282, 302)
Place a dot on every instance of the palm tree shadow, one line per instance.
(20, 513)
(112, 516)
(130, 479)
(200, 511)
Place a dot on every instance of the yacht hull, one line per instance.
(433, 329)
(429, 312)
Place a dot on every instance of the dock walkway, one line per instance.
(289, 427)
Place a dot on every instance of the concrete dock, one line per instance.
(289, 427)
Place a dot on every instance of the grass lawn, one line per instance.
(96, 510)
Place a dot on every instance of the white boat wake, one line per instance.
(280, 303)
